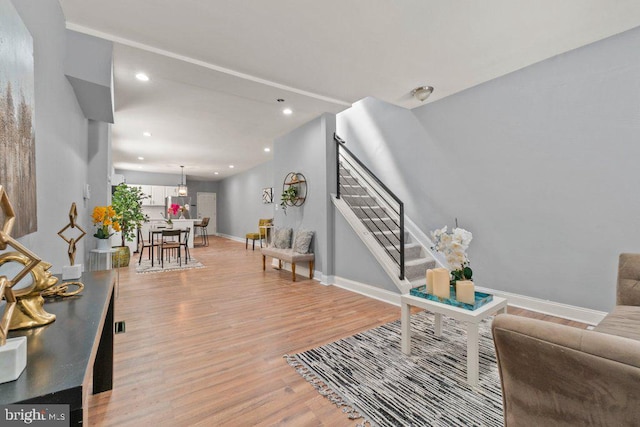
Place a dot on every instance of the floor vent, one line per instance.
(120, 327)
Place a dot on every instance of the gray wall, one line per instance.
(239, 201)
(307, 150)
(540, 165)
(61, 136)
(99, 157)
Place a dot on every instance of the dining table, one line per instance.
(155, 238)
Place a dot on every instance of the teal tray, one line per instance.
(481, 298)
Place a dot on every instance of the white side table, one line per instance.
(470, 317)
(95, 259)
(268, 230)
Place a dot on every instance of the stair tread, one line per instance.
(391, 232)
(407, 245)
(417, 261)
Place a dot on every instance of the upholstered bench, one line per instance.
(287, 255)
(282, 250)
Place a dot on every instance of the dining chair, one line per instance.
(185, 244)
(261, 234)
(142, 244)
(202, 226)
(168, 243)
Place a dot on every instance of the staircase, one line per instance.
(377, 216)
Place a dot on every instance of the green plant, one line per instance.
(127, 202)
(288, 197)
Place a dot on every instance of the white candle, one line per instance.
(441, 283)
(429, 281)
(465, 291)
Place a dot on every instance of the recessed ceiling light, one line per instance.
(231, 166)
(146, 133)
(287, 111)
(140, 158)
(216, 173)
(139, 167)
(142, 77)
(267, 149)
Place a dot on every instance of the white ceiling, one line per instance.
(217, 67)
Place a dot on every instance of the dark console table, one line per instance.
(64, 357)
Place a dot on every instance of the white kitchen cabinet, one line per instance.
(146, 190)
(157, 195)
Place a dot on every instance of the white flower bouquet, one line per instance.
(454, 246)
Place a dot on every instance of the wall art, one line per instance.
(17, 126)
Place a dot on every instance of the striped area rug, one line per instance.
(372, 380)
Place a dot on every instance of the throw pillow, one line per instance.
(302, 241)
(282, 238)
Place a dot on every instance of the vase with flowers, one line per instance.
(173, 209)
(106, 221)
(454, 247)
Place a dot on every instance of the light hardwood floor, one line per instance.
(204, 346)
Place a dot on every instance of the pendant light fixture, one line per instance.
(182, 188)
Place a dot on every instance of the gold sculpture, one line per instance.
(29, 309)
(26, 299)
(73, 215)
(5, 319)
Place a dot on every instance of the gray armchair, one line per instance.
(557, 375)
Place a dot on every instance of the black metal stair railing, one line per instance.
(388, 230)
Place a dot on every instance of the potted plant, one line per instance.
(106, 220)
(288, 197)
(127, 203)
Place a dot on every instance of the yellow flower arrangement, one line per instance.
(105, 218)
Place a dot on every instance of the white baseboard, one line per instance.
(366, 290)
(234, 238)
(552, 308)
(565, 311)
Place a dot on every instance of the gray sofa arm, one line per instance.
(554, 374)
(628, 289)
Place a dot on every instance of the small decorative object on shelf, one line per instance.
(294, 190)
(23, 301)
(72, 271)
(29, 312)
